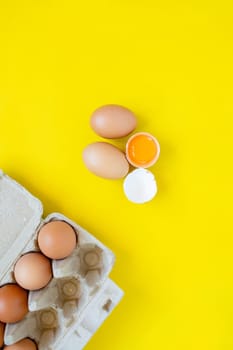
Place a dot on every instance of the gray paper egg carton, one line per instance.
(66, 313)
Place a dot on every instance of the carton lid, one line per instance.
(20, 214)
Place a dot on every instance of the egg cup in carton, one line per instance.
(72, 306)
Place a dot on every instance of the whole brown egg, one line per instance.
(105, 160)
(24, 344)
(113, 121)
(2, 329)
(33, 271)
(13, 303)
(57, 239)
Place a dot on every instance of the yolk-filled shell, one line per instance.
(142, 150)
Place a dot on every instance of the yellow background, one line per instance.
(171, 63)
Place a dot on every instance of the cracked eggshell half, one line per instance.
(105, 160)
(140, 186)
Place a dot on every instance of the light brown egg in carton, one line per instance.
(57, 312)
(90, 260)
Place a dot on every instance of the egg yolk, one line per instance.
(142, 149)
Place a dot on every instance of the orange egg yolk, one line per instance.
(142, 149)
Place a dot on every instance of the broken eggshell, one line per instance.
(140, 186)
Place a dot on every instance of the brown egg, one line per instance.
(25, 344)
(2, 329)
(33, 271)
(105, 160)
(57, 239)
(13, 303)
(113, 121)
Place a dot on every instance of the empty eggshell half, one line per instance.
(105, 160)
(140, 186)
(113, 121)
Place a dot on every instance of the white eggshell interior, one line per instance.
(140, 186)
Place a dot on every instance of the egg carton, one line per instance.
(67, 312)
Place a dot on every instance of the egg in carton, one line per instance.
(67, 312)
